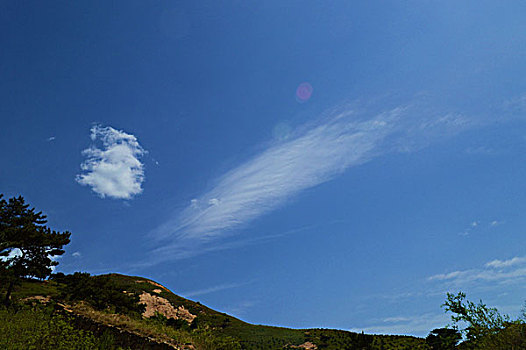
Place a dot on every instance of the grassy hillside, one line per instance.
(125, 312)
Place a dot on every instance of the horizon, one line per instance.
(293, 164)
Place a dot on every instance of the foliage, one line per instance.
(443, 339)
(480, 319)
(485, 327)
(39, 328)
(102, 292)
(27, 245)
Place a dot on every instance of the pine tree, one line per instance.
(27, 245)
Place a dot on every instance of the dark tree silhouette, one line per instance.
(443, 339)
(27, 245)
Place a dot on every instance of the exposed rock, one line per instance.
(156, 303)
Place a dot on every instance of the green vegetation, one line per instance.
(101, 292)
(484, 327)
(39, 327)
(443, 339)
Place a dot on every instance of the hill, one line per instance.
(125, 312)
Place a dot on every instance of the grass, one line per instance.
(39, 328)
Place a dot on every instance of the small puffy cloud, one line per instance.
(114, 169)
(76, 255)
(49, 139)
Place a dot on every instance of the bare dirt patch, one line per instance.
(307, 346)
(40, 298)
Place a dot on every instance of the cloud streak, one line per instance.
(312, 155)
(507, 263)
(115, 169)
(406, 324)
(496, 271)
(214, 289)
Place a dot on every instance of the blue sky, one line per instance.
(307, 164)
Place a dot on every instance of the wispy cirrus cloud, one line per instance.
(313, 155)
(405, 324)
(518, 260)
(496, 271)
(214, 289)
(115, 169)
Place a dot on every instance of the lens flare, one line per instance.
(304, 92)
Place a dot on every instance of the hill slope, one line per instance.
(117, 311)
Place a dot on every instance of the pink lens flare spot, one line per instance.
(304, 92)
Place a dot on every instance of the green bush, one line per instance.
(101, 292)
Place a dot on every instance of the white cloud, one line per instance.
(506, 263)
(12, 253)
(76, 254)
(308, 157)
(54, 258)
(115, 169)
(184, 249)
(52, 138)
(213, 201)
(496, 271)
(213, 289)
(406, 325)
(241, 307)
(481, 151)
(396, 319)
(280, 172)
